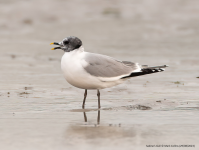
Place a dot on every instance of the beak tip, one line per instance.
(55, 43)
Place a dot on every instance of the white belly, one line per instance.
(72, 67)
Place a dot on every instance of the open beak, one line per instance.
(55, 43)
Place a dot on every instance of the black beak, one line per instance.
(55, 43)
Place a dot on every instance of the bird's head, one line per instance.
(68, 44)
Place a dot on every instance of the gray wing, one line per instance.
(104, 66)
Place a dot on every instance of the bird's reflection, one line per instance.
(98, 117)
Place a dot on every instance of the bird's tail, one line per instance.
(147, 70)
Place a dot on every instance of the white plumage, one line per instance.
(94, 71)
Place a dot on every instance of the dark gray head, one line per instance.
(68, 44)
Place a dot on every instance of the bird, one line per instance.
(92, 71)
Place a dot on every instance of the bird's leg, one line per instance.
(85, 94)
(98, 94)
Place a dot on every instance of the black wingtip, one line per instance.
(144, 71)
(166, 65)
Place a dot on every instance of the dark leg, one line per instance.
(85, 94)
(98, 94)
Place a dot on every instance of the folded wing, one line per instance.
(107, 67)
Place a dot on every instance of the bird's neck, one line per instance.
(80, 49)
(75, 51)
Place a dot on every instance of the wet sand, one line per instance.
(40, 110)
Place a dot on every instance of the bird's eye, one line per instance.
(66, 42)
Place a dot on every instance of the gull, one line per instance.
(91, 71)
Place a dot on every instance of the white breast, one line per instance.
(72, 66)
